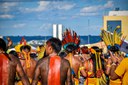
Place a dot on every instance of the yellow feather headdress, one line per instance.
(113, 40)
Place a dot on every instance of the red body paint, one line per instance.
(4, 63)
(54, 71)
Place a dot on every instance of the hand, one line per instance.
(109, 61)
(113, 57)
(119, 59)
(102, 56)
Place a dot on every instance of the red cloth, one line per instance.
(54, 71)
(4, 63)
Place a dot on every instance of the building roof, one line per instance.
(118, 13)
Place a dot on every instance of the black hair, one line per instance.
(55, 43)
(114, 49)
(3, 44)
(33, 55)
(62, 54)
(21, 48)
(27, 47)
(41, 46)
(70, 48)
(127, 47)
(96, 48)
(14, 53)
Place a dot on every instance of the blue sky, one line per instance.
(32, 18)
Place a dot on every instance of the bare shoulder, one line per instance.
(76, 58)
(33, 60)
(42, 61)
(14, 59)
(65, 62)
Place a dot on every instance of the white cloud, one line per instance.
(19, 25)
(109, 4)
(6, 6)
(9, 4)
(6, 16)
(46, 26)
(63, 6)
(97, 8)
(47, 5)
(91, 9)
(89, 14)
(41, 7)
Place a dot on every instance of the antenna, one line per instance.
(88, 31)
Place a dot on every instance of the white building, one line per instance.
(57, 31)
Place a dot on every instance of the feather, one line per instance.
(70, 37)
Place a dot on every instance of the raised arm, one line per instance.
(82, 70)
(108, 66)
(113, 75)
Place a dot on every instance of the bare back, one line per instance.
(29, 71)
(43, 70)
(9, 65)
(4, 69)
(75, 64)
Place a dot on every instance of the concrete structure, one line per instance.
(57, 31)
(54, 30)
(60, 31)
(117, 16)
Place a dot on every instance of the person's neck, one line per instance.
(1, 51)
(69, 55)
(52, 54)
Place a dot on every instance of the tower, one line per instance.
(57, 31)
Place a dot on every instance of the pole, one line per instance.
(88, 31)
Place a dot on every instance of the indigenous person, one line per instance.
(40, 51)
(70, 44)
(109, 67)
(53, 70)
(119, 71)
(97, 77)
(113, 42)
(23, 41)
(9, 65)
(87, 63)
(9, 42)
(27, 62)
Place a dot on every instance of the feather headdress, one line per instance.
(113, 40)
(70, 40)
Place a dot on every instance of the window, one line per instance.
(111, 25)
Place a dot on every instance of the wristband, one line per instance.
(108, 65)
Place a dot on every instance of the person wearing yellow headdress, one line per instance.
(113, 42)
(27, 62)
(40, 51)
(87, 63)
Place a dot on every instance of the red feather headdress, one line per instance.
(70, 40)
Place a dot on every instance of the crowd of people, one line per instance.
(62, 63)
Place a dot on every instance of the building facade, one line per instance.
(116, 18)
